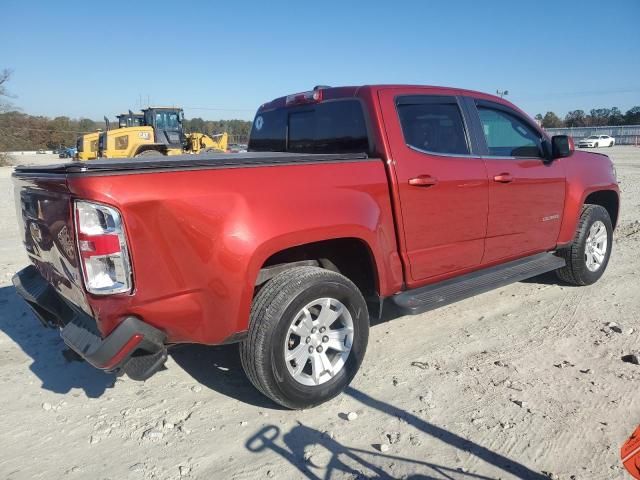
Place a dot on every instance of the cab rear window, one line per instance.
(329, 127)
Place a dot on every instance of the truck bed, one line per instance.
(185, 162)
(199, 228)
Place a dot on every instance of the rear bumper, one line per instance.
(134, 346)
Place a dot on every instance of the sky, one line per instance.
(86, 59)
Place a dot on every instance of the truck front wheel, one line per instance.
(588, 255)
(308, 334)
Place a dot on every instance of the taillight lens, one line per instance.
(311, 96)
(103, 249)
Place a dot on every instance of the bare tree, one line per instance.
(5, 106)
(5, 75)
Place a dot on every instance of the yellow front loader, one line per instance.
(161, 133)
(202, 143)
(87, 146)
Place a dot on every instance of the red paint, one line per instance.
(524, 213)
(444, 225)
(198, 238)
(630, 454)
(196, 248)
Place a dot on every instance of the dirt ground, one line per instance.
(523, 382)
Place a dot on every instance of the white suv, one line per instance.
(597, 141)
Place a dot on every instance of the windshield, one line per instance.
(167, 120)
(593, 136)
(129, 121)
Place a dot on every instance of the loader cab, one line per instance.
(167, 125)
(130, 119)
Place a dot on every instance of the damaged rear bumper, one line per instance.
(134, 347)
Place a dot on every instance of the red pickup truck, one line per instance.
(349, 201)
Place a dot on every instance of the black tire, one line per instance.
(210, 150)
(611, 144)
(274, 308)
(576, 271)
(596, 145)
(149, 153)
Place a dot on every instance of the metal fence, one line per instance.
(239, 139)
(624, 134)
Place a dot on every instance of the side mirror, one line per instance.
(562, 146)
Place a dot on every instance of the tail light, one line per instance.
(311, 96)
(103, 249)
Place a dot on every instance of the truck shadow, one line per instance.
(316, 455)
(490, 457)
(337, 458)
(549, 278)
(45, 347)
(219, 369)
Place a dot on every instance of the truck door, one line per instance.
(526, 191)
(441, 185)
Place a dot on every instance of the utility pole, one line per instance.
(502, 93)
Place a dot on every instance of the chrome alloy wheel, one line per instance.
(318, 341)
(595, 249)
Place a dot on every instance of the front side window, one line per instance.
(433, 127)
(507, 135)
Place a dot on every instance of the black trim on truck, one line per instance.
(436, 295)
(134, 347)
(186, 162)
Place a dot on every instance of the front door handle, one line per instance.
(423, 181)
(503, 178)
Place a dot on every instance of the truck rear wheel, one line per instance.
(308, 334)
(587, 257)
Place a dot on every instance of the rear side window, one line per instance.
(432, 126)
(507, 135)
(331, 127)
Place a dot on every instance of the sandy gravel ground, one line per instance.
(522, 382)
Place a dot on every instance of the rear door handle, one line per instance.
(503, 178)
(423, 181)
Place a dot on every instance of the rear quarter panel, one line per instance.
(198, 238)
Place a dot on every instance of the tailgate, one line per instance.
(45, 217)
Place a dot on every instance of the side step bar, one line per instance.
(443, 293)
